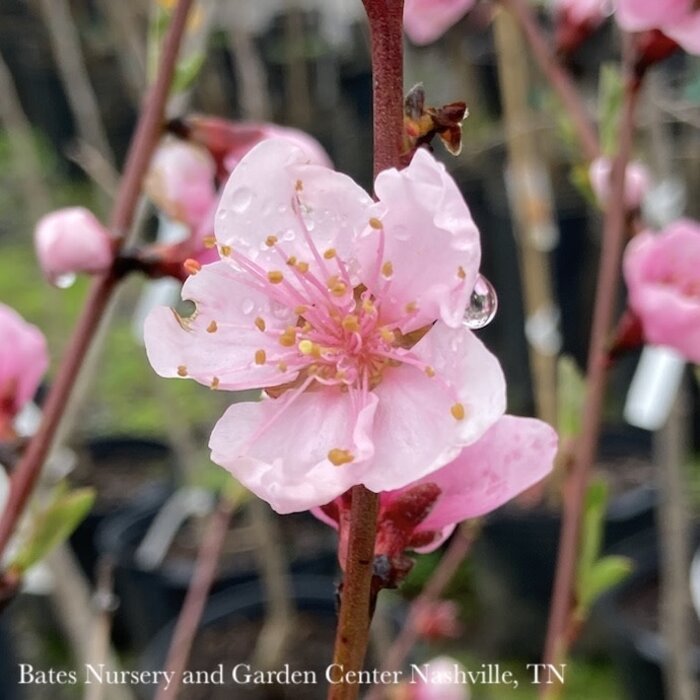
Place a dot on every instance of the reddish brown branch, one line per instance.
(606, 294)
(142, 145)
(196, 598)
(557, 77)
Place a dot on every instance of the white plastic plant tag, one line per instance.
(654, 387)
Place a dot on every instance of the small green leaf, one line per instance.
(593, 525)
(610, 92)
(53, 525)
(187, 72)
(570, 394)
(603, 575)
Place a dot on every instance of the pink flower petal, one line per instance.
(514, 454)
(23, 360)
(259, 201)
(279, 448)
(637, 181)
(430, 241)
(221, 340)
(427, 20)
(640, 15)
(415, 432)
(662, 272)
(686, 32)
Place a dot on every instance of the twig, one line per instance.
(196, 598)
(449, 564)
(558, 78)
(556, 645)
(147, 131)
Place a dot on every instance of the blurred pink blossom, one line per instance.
(637, 181)
(427, 20)
(662, 271)
(576, 20)
(72, 240)
(677, 19)
(349, 312)
(23, 361)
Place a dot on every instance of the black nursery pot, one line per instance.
(630, 614)
(125, 471)
(149, 599)
(227, 635)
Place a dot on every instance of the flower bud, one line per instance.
(71, 240)
(637, 181)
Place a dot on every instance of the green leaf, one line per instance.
(593, 525)
(570, 394)
(187, 72)
(53, 525)
(610, 93)
(603, 575)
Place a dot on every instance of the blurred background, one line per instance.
(72, 77)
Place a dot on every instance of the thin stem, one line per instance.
(196, 598)
(606, 294)
(386, 27)
(558, 78)
(452, 559)
(142, 145)
(352, 635)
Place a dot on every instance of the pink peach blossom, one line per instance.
(72, 240)
(445, 680)
(427, 20)
(512, 455)
(23, 361)
(581, 11)
(678, 19)
(180, 181)
(662, 272)
(349, 313)
(637, 181)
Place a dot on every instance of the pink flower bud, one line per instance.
(71, 240)
(662, 271)
(181, 182)
(427, 20)
(23, 361)
(637, 181)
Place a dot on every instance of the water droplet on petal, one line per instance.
(241, 199)
(288, 235)
(482, 305)
(65, 281)
(401, 233)
(247, 306)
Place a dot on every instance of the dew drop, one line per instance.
(247, 306)
(401, 233)
(482, 305)
(241, 199)
(65, 281)
(288, 235)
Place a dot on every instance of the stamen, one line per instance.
(292, 260)
(338, 456)
(387, 269)
(214, 383)
(260, 357)
(212, 327)
(181, 371)
(302, 266)
(192, 267)
(275, 276)
(209, 241)
(260, 323)
(461, 273)
(457, 411)
(329, 254)
(351, 323)
(270, 241)
(376, 223)
(411, 307)
(225, 250)
(289, 337)
(430, 371)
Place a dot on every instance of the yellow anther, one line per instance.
(329, 254)
(214, 383)
(291, 260)
(275, 276)
(191, 266)
(388, 336)
(430, 371)
(299, 186)
(461, 273)
(225, 250)
(260, 357)
(411, 307)
(260, 323)
(282, 366)
(212, 327)
(338, 457)
(209, 241)
(307, 328)
(270, 241)
(376, 223)
(368, 306)
(300, 310)
(336, 286)
(387, 269)
(351, 323)
(289, 337)
(181, 371)
(457, 411)
(306, 347)
(302, 266)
